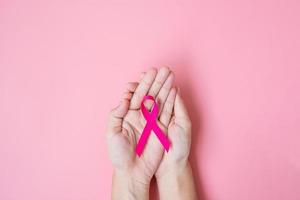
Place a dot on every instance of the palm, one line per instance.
(132, 128)
(127, 125)
(179, 133)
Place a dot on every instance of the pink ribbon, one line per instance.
(151, 118)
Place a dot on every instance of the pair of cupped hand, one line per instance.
(126, 123)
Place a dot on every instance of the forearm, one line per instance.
(125, 187)
(178, 184)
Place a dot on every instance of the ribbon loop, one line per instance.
(151, 118)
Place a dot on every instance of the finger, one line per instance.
(127, 95)
(161, 77)
(116, 117)
(142, 75)
(131, 86)
(180, 111)
(164, 91)
(142, 88)
(167, 110)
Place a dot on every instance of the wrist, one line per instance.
(130, 178)
(173, 172)
(127, 186)
(177, 183)
(170, 167)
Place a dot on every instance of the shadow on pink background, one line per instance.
(64, 64)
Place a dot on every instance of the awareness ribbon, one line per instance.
(151, 118)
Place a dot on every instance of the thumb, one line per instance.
(180, 110)
(116, 117)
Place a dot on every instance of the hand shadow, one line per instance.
(188, 90)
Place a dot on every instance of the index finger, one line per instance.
(143, 88)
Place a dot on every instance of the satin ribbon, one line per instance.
(151, 118)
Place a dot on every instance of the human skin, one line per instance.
(174, 175)
(132, 174)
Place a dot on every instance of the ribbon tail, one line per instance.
(162, 137)
(143, 139)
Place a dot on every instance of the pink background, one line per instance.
(63, 66)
